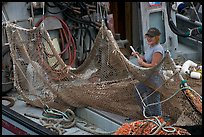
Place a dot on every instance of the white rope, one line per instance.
(169, 97)
(159, 125)
(97, 12)
(106, 9)
(101, 14)
(4, 16)
(43, 4)
(144, 105)
(161, 85)
(32, 13)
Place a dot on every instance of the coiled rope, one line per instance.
(10, 100)
(57, 121)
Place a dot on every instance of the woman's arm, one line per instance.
(157, 57)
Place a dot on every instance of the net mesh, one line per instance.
(105, 80)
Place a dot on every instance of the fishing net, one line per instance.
(105, 80)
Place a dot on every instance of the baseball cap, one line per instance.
(152, 32)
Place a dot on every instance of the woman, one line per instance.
(153, 55)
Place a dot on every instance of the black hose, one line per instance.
(51, 6)
(173, 26)
(68, 11)
(171, 23)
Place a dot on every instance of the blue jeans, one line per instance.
(152, 110)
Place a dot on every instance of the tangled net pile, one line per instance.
(151, 126)
(106, 79)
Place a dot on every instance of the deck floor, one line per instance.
(21, 108)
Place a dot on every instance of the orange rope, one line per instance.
(145, 127)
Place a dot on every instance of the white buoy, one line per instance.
(195, 75)
(186, 65)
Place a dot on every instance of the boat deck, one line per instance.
(98, 122)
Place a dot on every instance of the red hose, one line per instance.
(69, 37)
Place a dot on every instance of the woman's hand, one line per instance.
(136, 54)
(139, 58)
(140, 62)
